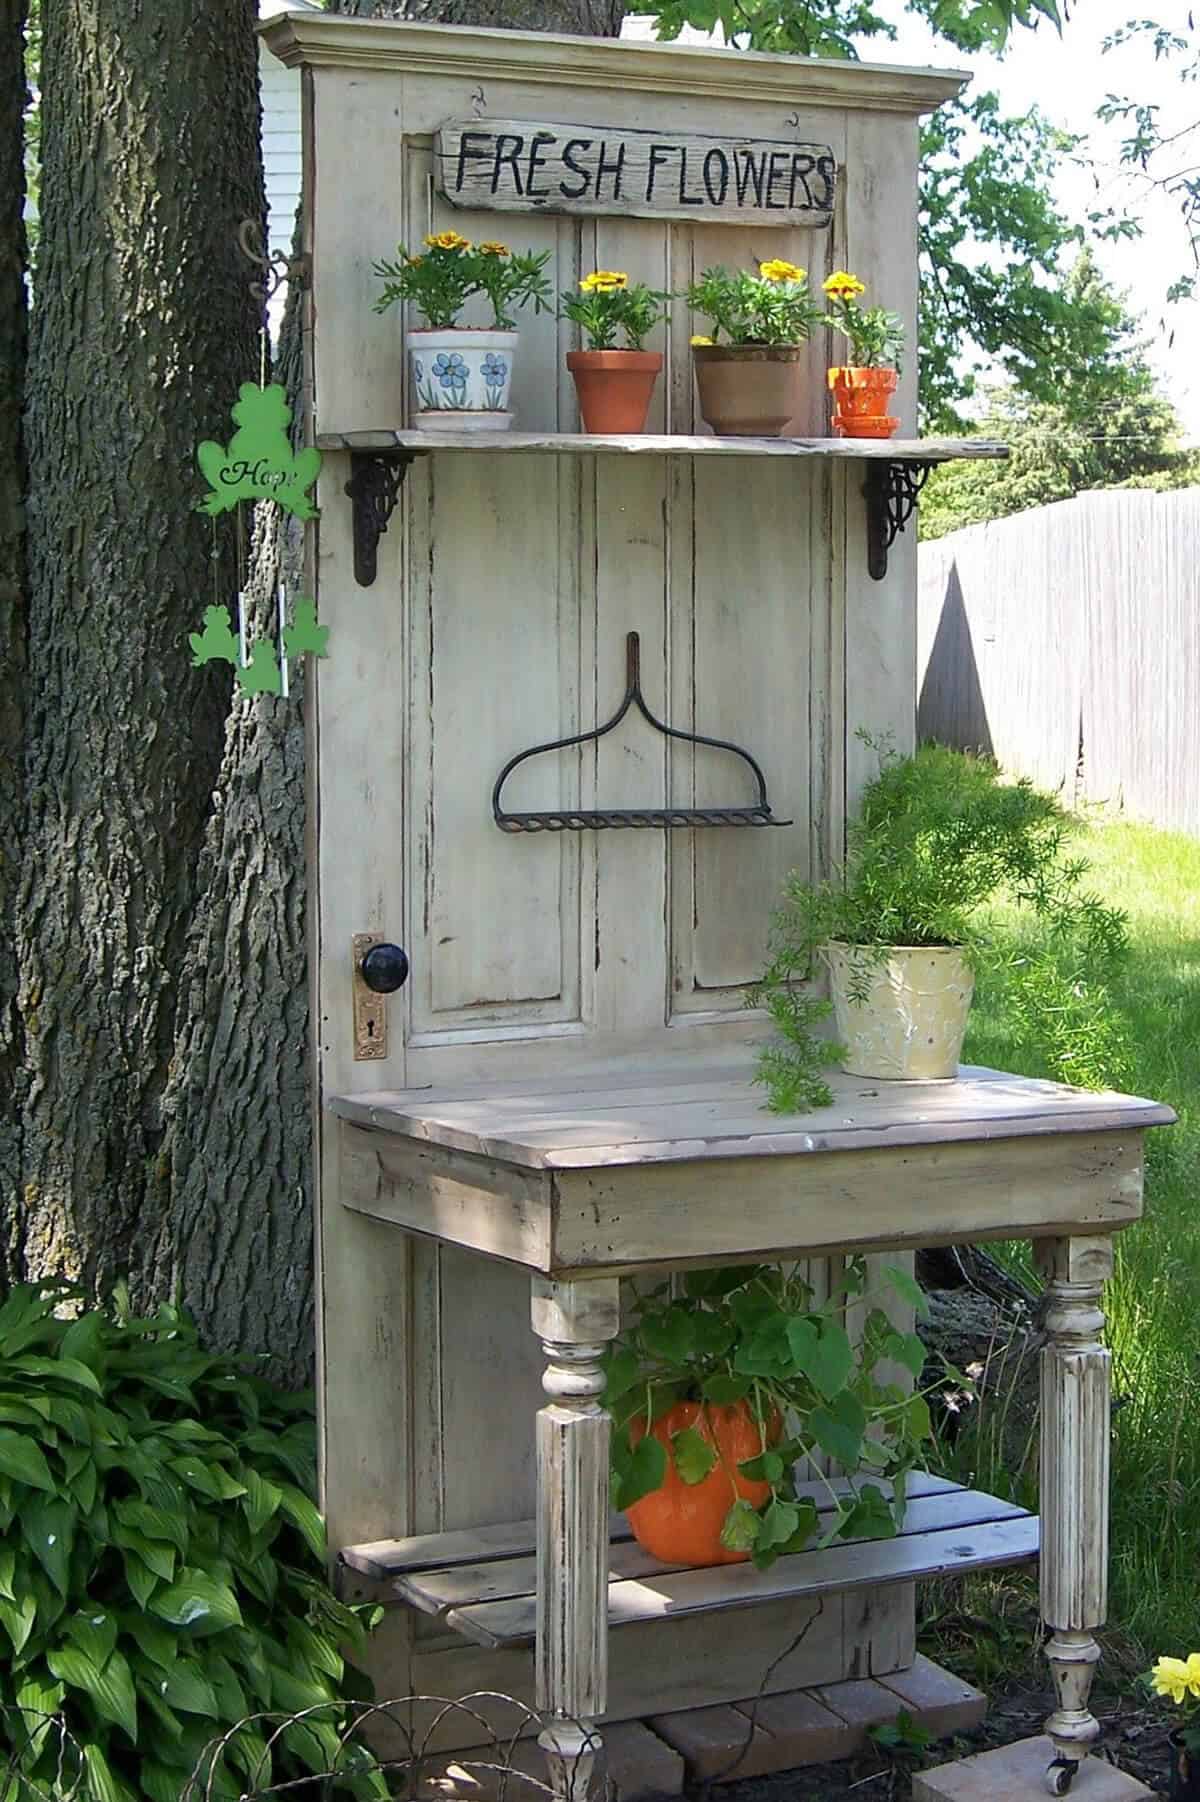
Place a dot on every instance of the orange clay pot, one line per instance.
(680, 1523)
(860, 402)
(614, 387)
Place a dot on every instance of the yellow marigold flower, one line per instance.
(1172, 1677)
(492, 249)
(604, 281)
(699, 338)
(1193, 1671)
(447, 241)
(777, 270)
(415, 262)
(841, 285)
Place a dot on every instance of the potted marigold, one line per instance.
(750, 369)
(718, 1391)
(614, 381)
(862, 388)
(462, 375)
(1179, 1678)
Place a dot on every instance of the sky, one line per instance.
(1066, 78)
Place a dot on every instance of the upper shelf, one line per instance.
(877, 450)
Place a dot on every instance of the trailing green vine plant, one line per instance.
(757, 1335)
(941, 840)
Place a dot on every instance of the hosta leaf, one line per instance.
(20, 1413)
(906, 1349)
(140, 1578)
(154, 1554)
(644, 1473)
(198, 1603)
(251, 1753)
(83, 1340)
(23, 1458)
(110, 1687)
(907, 1288)
(94, 1631)
(8, 1564)
(48, 1526)
(231, 1697)
(39, 1703)
(158, 1643)
(261, 1501)
(162, 1783)
(315, 1648)
(186, 1686)
(694, 1456)
(292, 1691)
(741, 1527)
(303, 1515)
(838, 1428)
(17, 1619)
(103, 1783)
(149, 1696)
(66, 1370)
(155, 1523)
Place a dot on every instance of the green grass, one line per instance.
(1154, 1300)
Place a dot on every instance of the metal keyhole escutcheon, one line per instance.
(385, 968)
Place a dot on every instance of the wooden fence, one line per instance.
(1066, 640)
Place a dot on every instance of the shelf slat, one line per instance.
(877, 450)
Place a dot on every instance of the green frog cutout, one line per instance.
(259, 463)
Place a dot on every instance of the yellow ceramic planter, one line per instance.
(914, 1018)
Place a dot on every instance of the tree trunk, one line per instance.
(12, 585)
(142, 331)
(238, 1105)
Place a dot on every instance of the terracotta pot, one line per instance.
(680, 1523)
(614, 387)
(750, 390)
(914, 1018)
(1185, 1772)
(860, 402)
(461, 378)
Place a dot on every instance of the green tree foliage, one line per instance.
(1096, 423)
(1165, 158)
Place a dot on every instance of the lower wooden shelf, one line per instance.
(482, 1583)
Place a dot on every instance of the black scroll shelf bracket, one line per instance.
(600, 819)
(376, 478)
(892, 490)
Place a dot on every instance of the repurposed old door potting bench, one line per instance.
(559, 1094)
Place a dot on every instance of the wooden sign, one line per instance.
(522, 166)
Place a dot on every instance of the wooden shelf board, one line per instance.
(492, 1601)
(871, 450)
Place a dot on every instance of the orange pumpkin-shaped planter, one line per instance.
(680, 1523)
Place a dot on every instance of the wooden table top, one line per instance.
(690, 1108)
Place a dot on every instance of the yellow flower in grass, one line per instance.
(448, 241)
(1177, 1677)
(841, 285)
(778, 270)
(492, 249)
(604, 281)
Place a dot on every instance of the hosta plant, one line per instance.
(161, 1561)
(756, 1335)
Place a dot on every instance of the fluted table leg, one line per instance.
(1074, 1488)
(574, 1321)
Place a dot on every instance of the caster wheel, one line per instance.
(1060, 1775)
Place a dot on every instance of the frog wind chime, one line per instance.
(258, 464)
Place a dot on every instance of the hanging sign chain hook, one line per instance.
(278, 268)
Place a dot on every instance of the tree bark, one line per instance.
(12, 586)
(142, 331)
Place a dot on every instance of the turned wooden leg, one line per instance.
(1074, 1488)
(574, 1321)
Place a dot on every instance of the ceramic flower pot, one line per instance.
(614, 387)
(912, 1018)
(750, 390)
(679, 1522)
(461, 379)
(861, 398)
(1185, 1772)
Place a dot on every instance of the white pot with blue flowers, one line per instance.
(460, 376)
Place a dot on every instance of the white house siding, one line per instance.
(279, 90)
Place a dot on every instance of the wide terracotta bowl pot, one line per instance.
(750, 390)
(615, 387)
(680, 1523)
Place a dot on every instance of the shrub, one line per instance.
(161, 1561)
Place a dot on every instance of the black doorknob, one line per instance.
(385, 968)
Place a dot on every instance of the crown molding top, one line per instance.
(324, 40)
